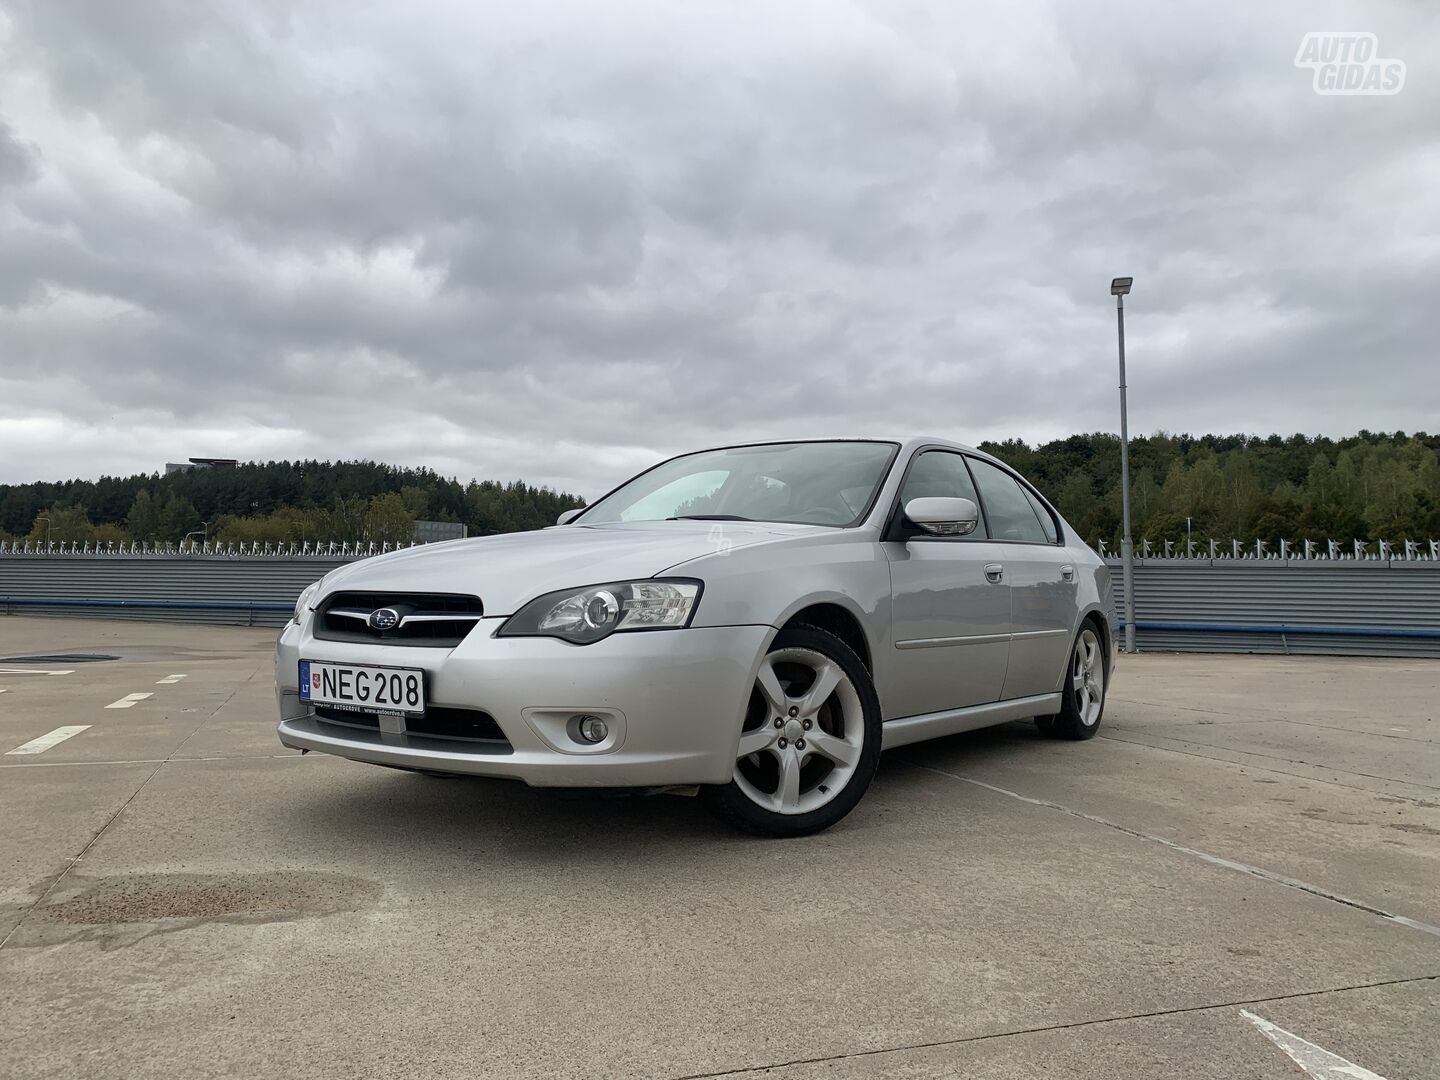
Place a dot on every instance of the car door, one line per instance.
(950, 603)
(1042, 577)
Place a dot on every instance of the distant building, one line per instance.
(171, 467)
(431, 532)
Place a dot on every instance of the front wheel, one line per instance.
(810, 742)
(1083, 702)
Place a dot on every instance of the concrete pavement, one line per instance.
(179, 896)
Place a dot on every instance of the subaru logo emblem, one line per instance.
(384, 619)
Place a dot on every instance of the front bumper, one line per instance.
(676, 700)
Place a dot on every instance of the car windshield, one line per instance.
(807, 483)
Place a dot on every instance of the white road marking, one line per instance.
(127, 701)
(45, 742)
(4, 689)
(36, 671)
(168, 679)
(1315, 1060)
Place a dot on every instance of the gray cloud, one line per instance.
(561, 240)
(18, 164)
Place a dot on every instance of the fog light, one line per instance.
(592, 729)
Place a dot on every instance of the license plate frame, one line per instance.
(336, 693)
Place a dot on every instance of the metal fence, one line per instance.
(253, 590)
(242, 584)
(326, 549)
(1284, 550)
(1355, 605)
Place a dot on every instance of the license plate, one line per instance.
(361, 688)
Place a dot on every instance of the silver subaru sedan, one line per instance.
(755, 621)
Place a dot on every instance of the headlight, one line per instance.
(585, 615)
(302, 604)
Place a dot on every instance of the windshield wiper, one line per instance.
(709, 517)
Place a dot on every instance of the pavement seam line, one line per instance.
(1266, 768)
(1275, 718)
(1045, 1028)
(111, 821)
(1214, 860)
(1288, 761)
(1270, 716)
(71, 864)
(214, 712)
(140, 761)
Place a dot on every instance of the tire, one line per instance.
(1083, 701)
(784, 785)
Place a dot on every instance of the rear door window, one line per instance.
(1007, 507)
(1047, 519)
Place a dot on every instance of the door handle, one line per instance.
(1068, 573)
(994, 572)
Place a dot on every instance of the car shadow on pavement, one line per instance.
(473, 818)
(1017, 739)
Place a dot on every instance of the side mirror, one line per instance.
(943, 517)
(569, 516)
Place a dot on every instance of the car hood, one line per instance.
(509, 570)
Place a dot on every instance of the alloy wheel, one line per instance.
(804, 733)
(1087, 677)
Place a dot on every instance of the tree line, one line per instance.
(1363, 487)
(1367, 486)
(275, 502)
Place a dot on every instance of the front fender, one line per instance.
(771, 583)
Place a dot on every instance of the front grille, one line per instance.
(426, 620)
(439, 722)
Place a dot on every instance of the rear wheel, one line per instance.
(810, 741)
(1083, 701)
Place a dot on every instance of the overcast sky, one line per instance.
(560, 240)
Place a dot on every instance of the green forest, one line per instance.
(1363, 487)
(273, 502)
(1367, 487)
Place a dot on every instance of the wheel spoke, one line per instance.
(827, 678)
(769, 684)
(789, 790)
(811, 766)
(761, 738)
(837, 750)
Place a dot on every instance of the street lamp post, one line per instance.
(1119, 288)
(45, 518)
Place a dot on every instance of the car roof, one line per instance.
(907, 443)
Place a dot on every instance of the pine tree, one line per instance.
(143, 520)
(177, 518)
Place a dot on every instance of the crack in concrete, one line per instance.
(1271, 757)
(146, 761)
(1268, 718)
(1045, 1028)
(69, 866)
(1214, 860)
